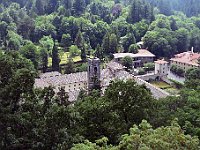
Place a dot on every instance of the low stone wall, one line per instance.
(165, 79)
(147, 77)
(156, 92)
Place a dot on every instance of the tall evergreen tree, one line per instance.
(69, 68)
(83, 53)
(165, 8)
(39, 4)
(106, 43)
(55, 58)
(139, 10)
(44, 55)
(78, 7)
(51, 6)
(99, 52)
(173, 24)
(67, 4)
(113, 44)
(79, 41)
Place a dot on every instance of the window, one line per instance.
(95, 70)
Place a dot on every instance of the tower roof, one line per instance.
(161, 61)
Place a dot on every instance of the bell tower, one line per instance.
(93, 74)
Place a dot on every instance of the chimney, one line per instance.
(192, 50)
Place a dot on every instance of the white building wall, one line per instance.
(157, 68)
(73, 86)
(161, 69)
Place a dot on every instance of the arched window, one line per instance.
(95, 70)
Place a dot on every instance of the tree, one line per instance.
(79, 41)
(195, 39)
(51, 6)
(143, 136)
(182, 36)
(184, 107)
(127, 62)
(3, 32)
(127, 99)
(192, 78)
(123, 104)
(62, 97)
(67, 4)
(17, 78)
(30, 51)
(127, 41)
(44, 56)
(83, 54)
(133, 48)
(149, 66)
(99, 52)
(78, 7)
(180, 72)
(14, 41)
(66, 40)
(161, 42)
(74, 51)
(106, 43)
(113, 44)
(141, 71)
(173, 24)
(69, 68)
(47, 43)
(140, 29)
(164, 7)
(55, 58)
(26, 27)
(177, 70)
(39, 4)
(139, 10)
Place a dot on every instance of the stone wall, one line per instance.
(156, 92)
(147, 77)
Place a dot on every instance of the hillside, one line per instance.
(57, 36)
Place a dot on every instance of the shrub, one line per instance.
(141, 71)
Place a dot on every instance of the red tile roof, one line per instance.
(187, 58)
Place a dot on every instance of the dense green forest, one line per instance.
(45, 34)
(79, 28)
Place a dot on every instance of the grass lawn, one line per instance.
(165, 86)
(172, 91)
(64, 56)
(161, 84)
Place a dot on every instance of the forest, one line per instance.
(58, 35)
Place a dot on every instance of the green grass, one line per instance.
(161, 84)
(64, 57)
(165, 86)
(172, 91)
